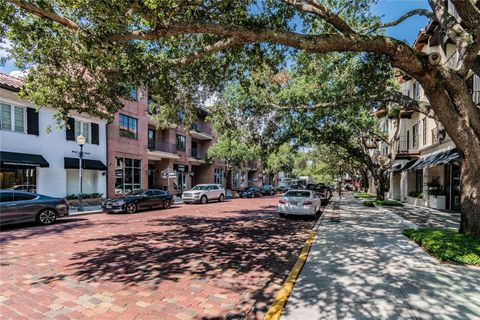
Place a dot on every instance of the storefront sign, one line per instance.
(181, 168)
(23, 164)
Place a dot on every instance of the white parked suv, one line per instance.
(202, 193)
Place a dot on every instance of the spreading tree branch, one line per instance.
(469, 13)
(420, 12)
(207, 50)
(407, 103)
(42, 13)
(319, 10)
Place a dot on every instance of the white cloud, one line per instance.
(19, 73)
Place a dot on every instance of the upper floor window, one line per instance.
(415, 136)
(83, 128)
(416, 90)
(424, 131)
(181, 142)
(128, 127)
(12, 118)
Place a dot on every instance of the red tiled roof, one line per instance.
(10, 82)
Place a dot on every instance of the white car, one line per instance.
(202, 193)
(299, 202)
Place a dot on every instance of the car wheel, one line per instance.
(46, 217)
(131, 207)
(167, 204)
(222, 197)
(204, 200)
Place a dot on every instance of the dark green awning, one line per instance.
(72, 163)
(24, 160)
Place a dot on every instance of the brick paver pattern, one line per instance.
(189, 262)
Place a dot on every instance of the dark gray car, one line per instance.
(17, 207)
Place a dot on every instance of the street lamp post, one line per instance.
(81, 141)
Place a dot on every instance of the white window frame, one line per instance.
(12, 117)
(89, 126)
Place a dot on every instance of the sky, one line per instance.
(387, 9)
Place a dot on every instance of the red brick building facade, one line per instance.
(141, 156)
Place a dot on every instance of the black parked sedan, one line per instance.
(267, 190)
(17, 206)
(250, 192)
(139, 199)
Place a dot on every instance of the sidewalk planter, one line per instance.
(437, 202)
(86, 202)
(416, 201)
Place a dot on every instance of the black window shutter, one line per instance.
(94, 129)
(70, 129)
(32, 121)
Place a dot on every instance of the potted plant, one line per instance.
(416, 198)
(437, 196)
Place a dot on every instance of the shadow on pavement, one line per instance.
(31, 229)
(364, 268)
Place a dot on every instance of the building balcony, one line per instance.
(158, 150)
(252, 166)
(406, 149)
(201, 131)
(197, 155)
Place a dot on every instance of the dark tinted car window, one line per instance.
(6, 196)
(150, 193)
(215, 187)
(23, 196)
(303, 194)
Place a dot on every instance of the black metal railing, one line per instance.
(201, 127)
(403, 145)
(197, 153)
(156, 145)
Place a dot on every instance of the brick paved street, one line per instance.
(189, 262)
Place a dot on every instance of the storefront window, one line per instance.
(218, 176)
(236, 180)
(128, 175)
(419, 180)
(18, 179)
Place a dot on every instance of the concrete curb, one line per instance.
(399, 219)
(83, 213)
(276, 308)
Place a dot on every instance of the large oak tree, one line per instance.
(82, 53)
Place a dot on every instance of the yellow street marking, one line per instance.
(276, 308)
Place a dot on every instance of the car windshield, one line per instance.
(302, 194)
(200, 188)
(135, 192)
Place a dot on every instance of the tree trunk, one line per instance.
(455, 109)
(228, 184)
(470, 198)
(380, 185)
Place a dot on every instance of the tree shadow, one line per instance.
(30, 229)
(240, 254)
(364, 268)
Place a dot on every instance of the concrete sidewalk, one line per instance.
(362, 267)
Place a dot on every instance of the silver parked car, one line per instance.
(299, 202)
(18, 206)
(202, 193)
